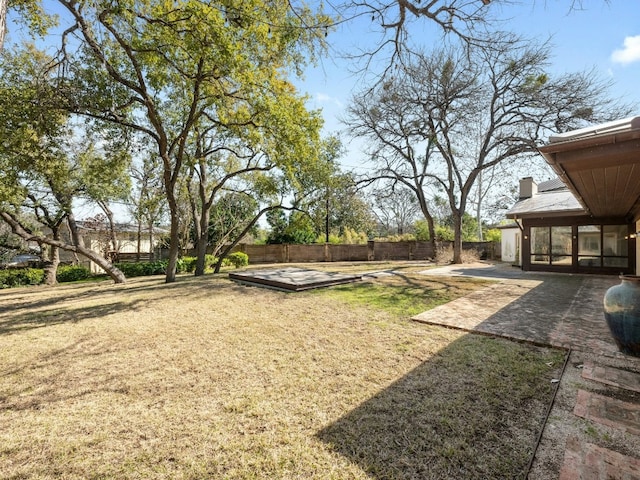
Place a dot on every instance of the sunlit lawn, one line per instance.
(208, 379)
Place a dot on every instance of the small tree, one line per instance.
(147, 200)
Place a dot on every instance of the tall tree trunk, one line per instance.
(51, 269)
(424, 208)
(151, 249)
(3, 21)
(202, 241)
(51, 265)
(200, 222)
(457, 236)
(174, 247)
(201, 253)
(170, 179)
(113, 240)
(138, 240)
(479, 206)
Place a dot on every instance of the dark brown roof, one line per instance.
(601, 167)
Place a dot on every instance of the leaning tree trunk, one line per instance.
(116, 275)
(227, 249)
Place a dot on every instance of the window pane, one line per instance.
(539, 240)
(621, 262)
(561, 260)
(589, 240)
(540, 259)
(613, 240)
(589, 261)
(561, 241)
(540, 245)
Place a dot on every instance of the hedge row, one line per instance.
(184, 265)
(72, 273)
(19, 277)
(141, 269)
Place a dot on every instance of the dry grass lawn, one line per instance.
(208, 379)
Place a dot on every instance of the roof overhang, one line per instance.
(601, 167)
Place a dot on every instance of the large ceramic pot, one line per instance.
(622, 312)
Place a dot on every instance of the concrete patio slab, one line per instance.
(498, 271)
(292, 279)
(558, 310)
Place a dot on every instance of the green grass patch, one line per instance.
(404, 295)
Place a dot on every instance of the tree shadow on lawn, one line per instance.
(58, 376)
(23, 299)
(32, 319)
(473, 410)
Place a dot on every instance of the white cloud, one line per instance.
(324, 98)
(629, 53)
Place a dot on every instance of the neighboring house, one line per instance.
(586, 220)
(96, 238)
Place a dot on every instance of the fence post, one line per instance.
(371, 250)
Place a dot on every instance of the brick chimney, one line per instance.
(528, 188)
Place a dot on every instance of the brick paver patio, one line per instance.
(590, 432)
(547, 309)
(586, 461)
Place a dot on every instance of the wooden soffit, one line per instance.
(601, 166)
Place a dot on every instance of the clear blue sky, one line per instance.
(600, 35)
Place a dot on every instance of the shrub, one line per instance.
(141, 269)
(186, 264)
(421, 228)
(210, 261)
(444, 233)
(405, 237)
(21, 276)
(238, 259)
(72, 273)
(444, 254)
(493, 235)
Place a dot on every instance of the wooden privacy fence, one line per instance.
(372, 251)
